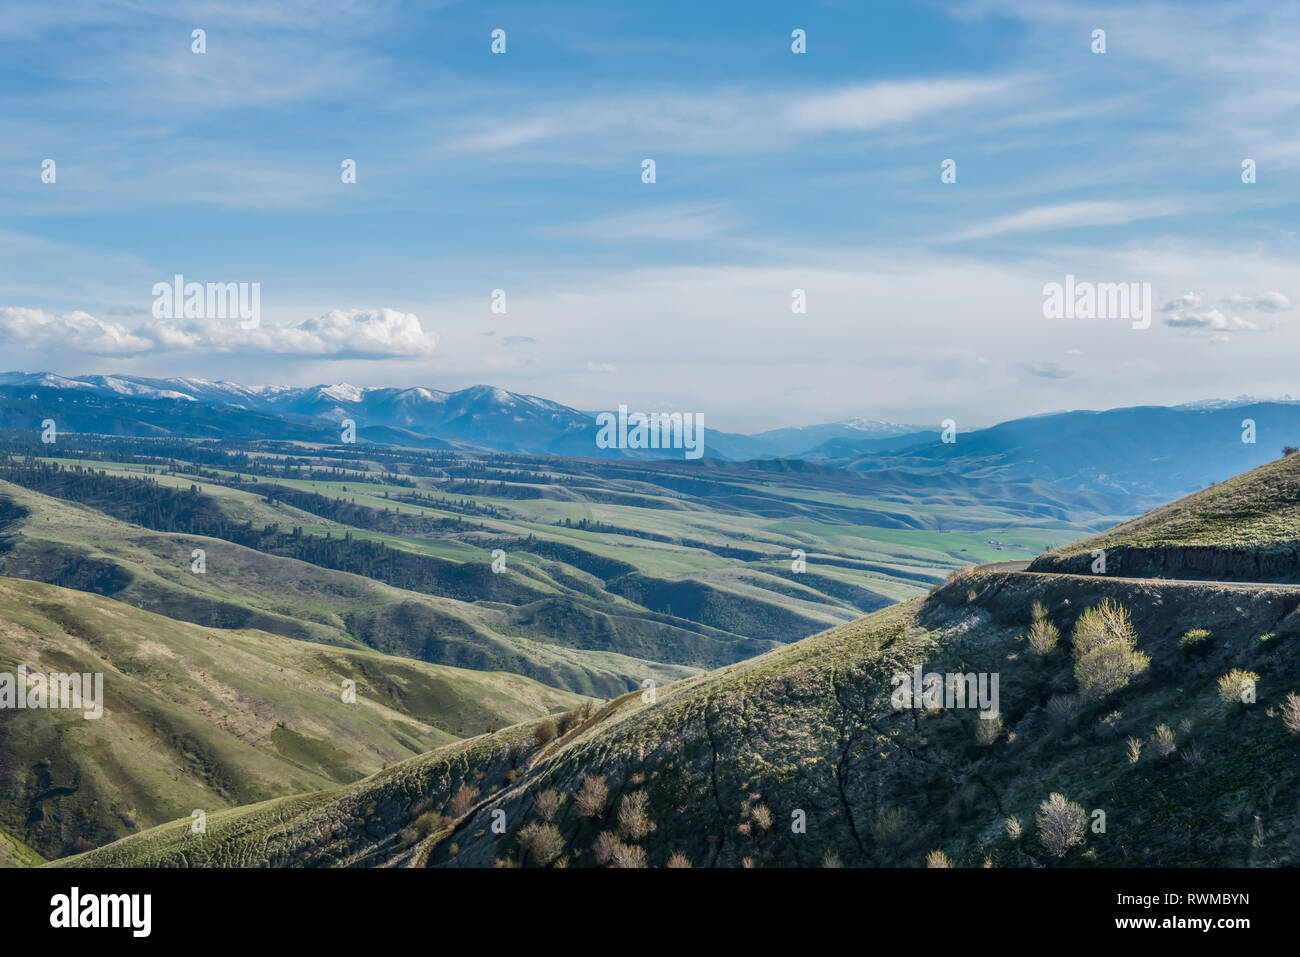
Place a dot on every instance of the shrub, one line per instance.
(678, 859)
(1043, 635)
(542, 841)
(1063, 708)
(590, 799)
(1164, 740)
(1105, 650)
(937, 858)
(831, 859)
(606, 843)
(462, 801)
(1103, 624)
(1291, 712)
(1061, 824)
(633, 821)
(1195, 644)
(1013, 828)
(628, 855)
(569, 720)
(762, 816)
(1237, 686)
(548, 803)
(545, 732)
(1134, 749)
(426, 823)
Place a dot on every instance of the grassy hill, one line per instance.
(1244, 529)
(206, 718)
(719, 767)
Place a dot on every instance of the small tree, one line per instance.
(1061, 824)
(1289, 450)
(1134, 749)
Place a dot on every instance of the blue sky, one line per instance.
(775, 171)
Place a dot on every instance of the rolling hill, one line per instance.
(801, 757)
(207, 718)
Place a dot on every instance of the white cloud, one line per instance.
(1064, 216)
(725, 121)
(351, 334)
(73, 331)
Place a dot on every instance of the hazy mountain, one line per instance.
(1152, 450)
(1148, 449)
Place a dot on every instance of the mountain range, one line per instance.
(1147, 450)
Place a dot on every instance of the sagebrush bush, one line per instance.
(937, 858)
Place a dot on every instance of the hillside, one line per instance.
(1244, 529)
(207, 718)
(716, 770)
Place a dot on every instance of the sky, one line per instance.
(775, 171)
